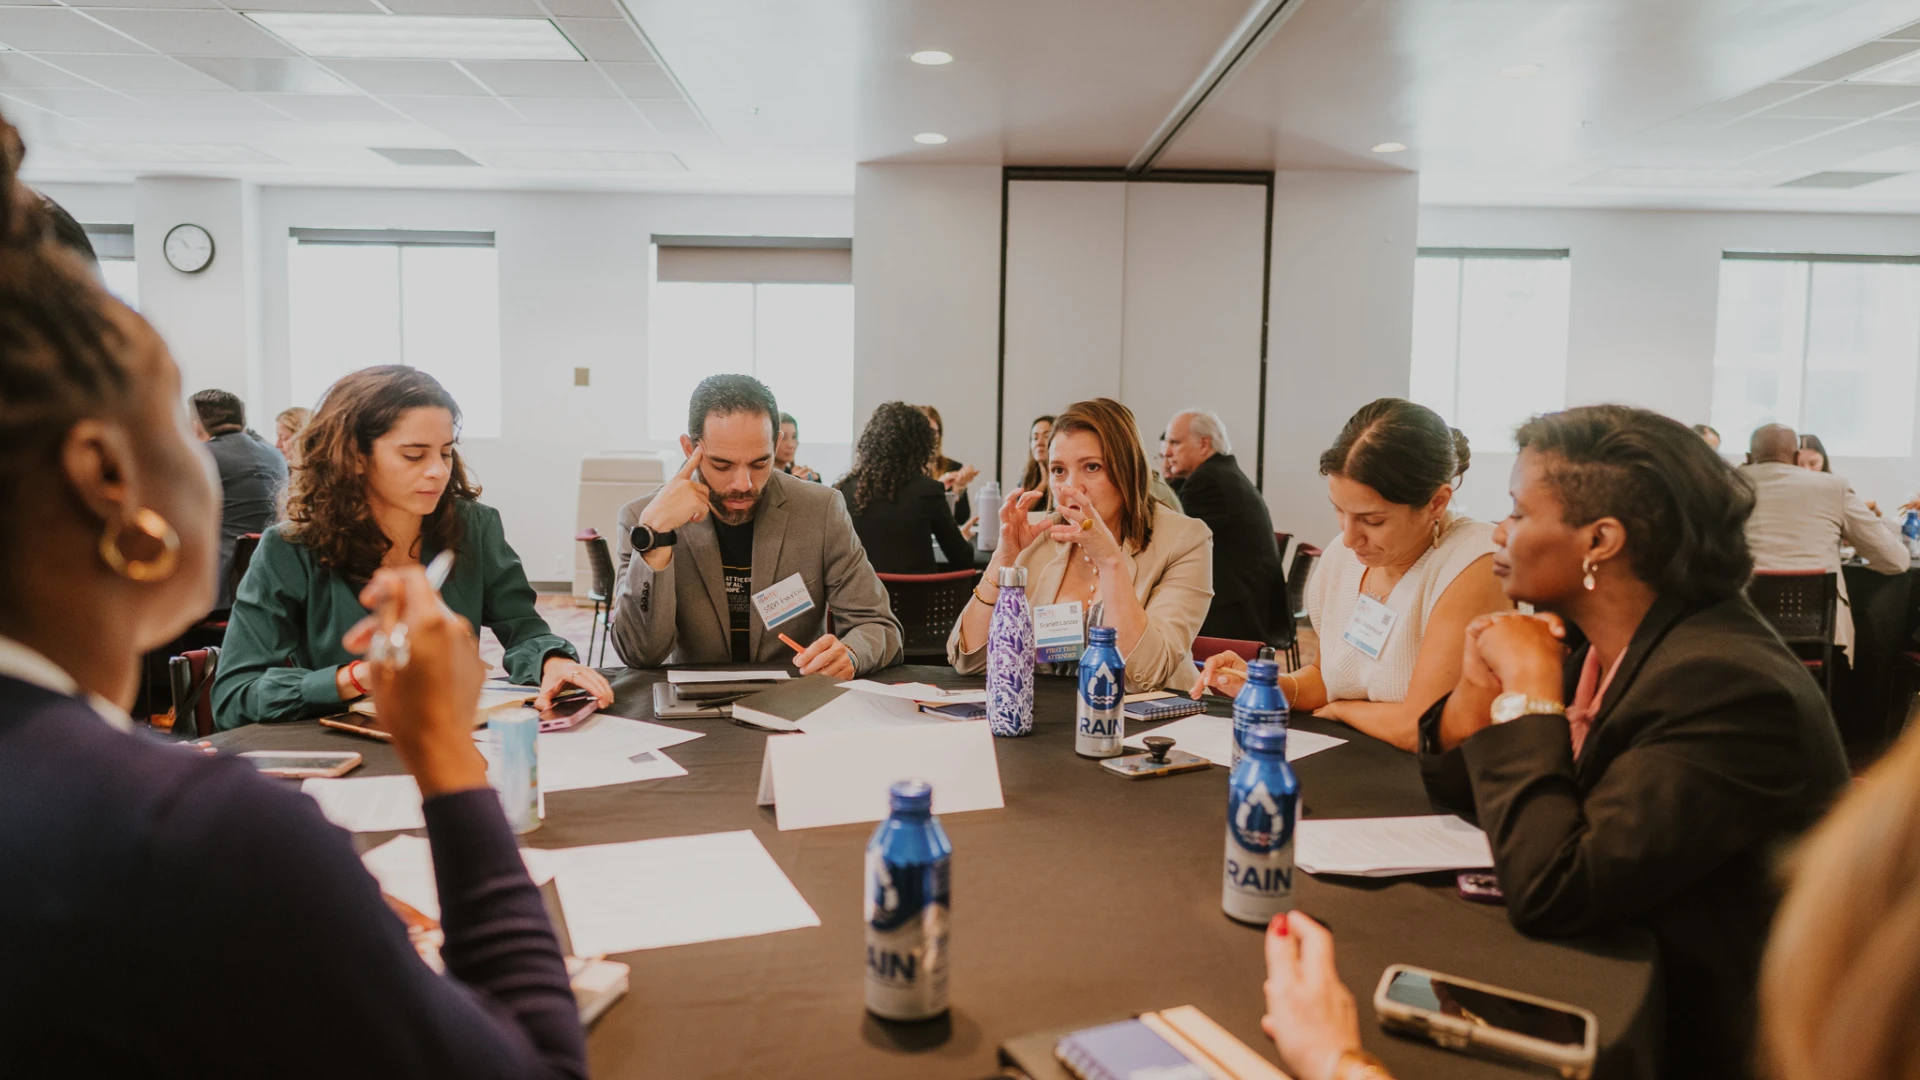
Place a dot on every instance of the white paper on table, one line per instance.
(1211, 737)
(679, 675)
(916, 691)
(368, 803)
(603, 751)
(493, 695)
(866, 712)
(404, 868)
(842, 777)
(1388, 847)
(649, 894)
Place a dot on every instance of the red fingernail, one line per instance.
(1278, 927)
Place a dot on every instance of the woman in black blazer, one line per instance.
(1643, 749)
(898, 511)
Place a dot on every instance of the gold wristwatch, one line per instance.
(1514, 705)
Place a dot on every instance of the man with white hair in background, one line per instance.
(1249, 587)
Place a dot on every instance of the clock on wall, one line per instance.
(189, 248)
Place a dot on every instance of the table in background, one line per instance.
(1087, 898)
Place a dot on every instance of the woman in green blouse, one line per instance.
(380, 483)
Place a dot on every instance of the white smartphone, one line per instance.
(1460, 1014)
(303, 764)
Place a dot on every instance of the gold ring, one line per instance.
(1085, 524)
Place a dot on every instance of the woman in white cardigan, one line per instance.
(1394, 592)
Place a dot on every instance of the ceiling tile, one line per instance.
(406, 77)
(271, 75)
(1839, 147)
(142, 72)
(82, 103)
(17, 70)
(539, 78)
(1854, 61)
(144, 3)
(464, 7)
(431, 155)
(454, 110)
(1838, 179)
(335, 108)
(219, 105)
(1754, 100)
(641, 80)
(1768, 131)
(1848, 101)
(196, 33)
(1906, 33)
(601, 9)
(673, 117)
(578, 112)
(605, 39)
(366, 7)
(59, 30)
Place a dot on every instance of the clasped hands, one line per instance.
(1081, 525)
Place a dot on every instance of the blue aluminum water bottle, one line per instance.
(1263, 800)
(516, 766)
(909, 878)
(1910, 530)
(1010, 657)
(1259, 702)
(1099, 722)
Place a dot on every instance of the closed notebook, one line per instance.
(781, 707)
(1125, 1050)
(1166, 708)
(959, 710)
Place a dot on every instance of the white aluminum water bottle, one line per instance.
(1263, 800)
(908, 890)
(986, 503)
(516, 766)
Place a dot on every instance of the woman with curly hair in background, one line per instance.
(896, 507)
(381, 485)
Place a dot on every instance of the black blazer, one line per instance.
(1712, 749)
(898, 535)
(1249, 587)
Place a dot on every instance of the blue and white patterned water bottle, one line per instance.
(1263, 801)
(908, 893)
(1259, 702)
(1010, 657)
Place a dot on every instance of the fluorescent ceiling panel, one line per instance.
(422, 155)
(1838, 179)
(587, 159)
(195, 153)
(418, 37)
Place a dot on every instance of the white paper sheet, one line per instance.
(916, 691)
(842, 777)
(368, 803)
(603, 751)
(1211, 737)
(404, 868)
(1389, 847)
(679, 675)
(866, 712)
(649, 894)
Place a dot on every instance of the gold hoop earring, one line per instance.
(1588, 566)
(155, 528)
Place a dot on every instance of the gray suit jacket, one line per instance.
(679, 614)
(1800, 519)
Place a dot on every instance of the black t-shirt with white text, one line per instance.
(736, 566)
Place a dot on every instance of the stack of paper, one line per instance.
(1389, 847)
(917, 692)
(368, 803)
(842, 777)
(1211, 737)
(603, 751)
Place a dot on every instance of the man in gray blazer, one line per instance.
(1801, 517)
(696, 557)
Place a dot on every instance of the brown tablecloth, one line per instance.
(1087, 897)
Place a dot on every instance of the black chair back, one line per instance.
(1801, 604)
(601, 560)
(244, 546)
(927, 606)
(1304, 556)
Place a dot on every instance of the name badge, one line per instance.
(1371, 623)
(1056, 633)
(782, 601)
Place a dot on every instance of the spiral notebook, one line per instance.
(1148, 708)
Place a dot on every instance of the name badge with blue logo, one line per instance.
(1372, 622)
(782, 601)
(1057, 636)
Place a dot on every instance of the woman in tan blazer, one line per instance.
(1148, 567)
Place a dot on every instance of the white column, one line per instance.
(210, 319)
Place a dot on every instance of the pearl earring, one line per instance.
(1589, 566)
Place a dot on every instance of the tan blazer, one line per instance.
(1800, 519)
(1173, 578)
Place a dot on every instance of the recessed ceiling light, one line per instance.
(930, 138)
(1520, 71)
(417, 37)
(1389, 147)
(931, 57)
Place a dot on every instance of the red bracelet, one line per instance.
(356, 682)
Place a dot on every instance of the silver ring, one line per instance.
(389, 647)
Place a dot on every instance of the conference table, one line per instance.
(1088, 898)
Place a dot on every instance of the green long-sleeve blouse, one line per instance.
(282, 649)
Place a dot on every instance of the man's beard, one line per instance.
(726, 516)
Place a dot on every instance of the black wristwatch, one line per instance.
(645, 539)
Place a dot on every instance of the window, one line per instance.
(113, 246)
(724, 315)
(1827, 344)
(431, 300)
(1490, 338)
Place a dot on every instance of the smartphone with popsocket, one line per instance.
(1460, 1014)
(303, 764)
(567, 711)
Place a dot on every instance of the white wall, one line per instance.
(1340, 324)
(1645, 300)
(210, 319)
